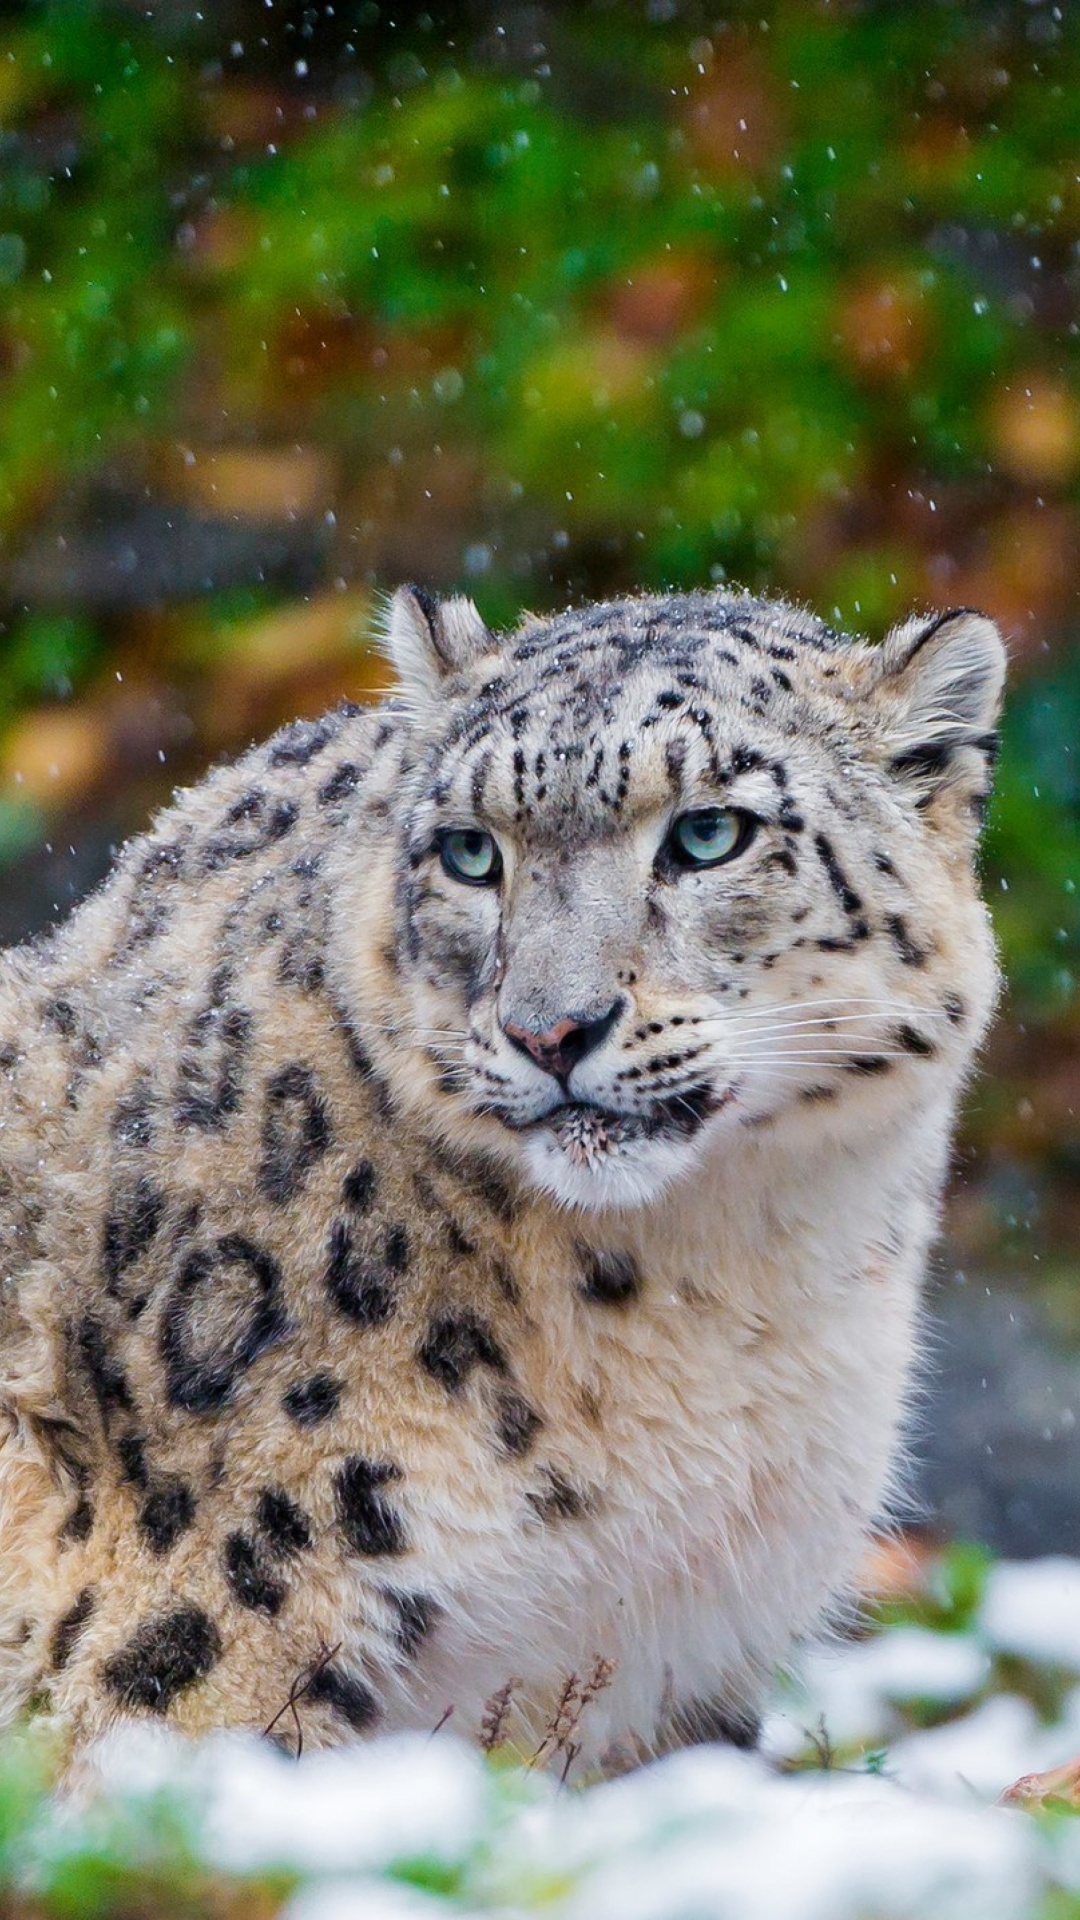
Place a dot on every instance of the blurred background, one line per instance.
(546, 302)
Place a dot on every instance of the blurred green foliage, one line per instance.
(544, 302)
(948, 1597)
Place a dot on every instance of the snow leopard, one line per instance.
(466, 1178)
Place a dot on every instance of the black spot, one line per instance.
(556, 1499)
(166, 860)
(358, 1187)
(261, 824)
(517, 1423)
(220, 984)
(456, 1343)
(79, 1524)
(351, 1699)
(913, 1041)
(502, 1277)
(250, 1578)
(129, 1229)
(884, 864)
(702, 1723)
(131, 1121)
(817, 1096)
(297, 744)
(357, 1288)
(343, 781)
(166, 1513)
(491, 1187)
(285, 1526)
(296, 1132)
(838, 880)
(909, 950)
(211, 1070)
(224, 1311)
(611, 1279)
(416, 1617)
(106, 1377)
(131, 1448)
(359, 1057)
(168, 1653)
(868, 1064)
(301, 962)
(61, 1016)
(952, 1006)
(309, 1402)
(396, 1248)
(782, 857)
(368, 1521)
(68, 1628)
(147, 917)
(927, 762)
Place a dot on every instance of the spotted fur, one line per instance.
(357, 1360)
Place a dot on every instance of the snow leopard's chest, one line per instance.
(710, 1474)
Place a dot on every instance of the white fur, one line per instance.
(423, 650)
(946, 688)
(774, 1364)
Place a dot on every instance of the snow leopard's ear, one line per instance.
(426, 639)
(937, 686)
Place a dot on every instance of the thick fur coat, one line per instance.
(465, 1182)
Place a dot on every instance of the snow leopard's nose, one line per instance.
(559, 1049)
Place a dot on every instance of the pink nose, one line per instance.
(559, 1049)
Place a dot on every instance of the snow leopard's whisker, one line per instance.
(824, 1031)
(812, 1045)
(845, 1024)
(780, 1008)
(792, 1062)
(405, 1030)
(800, 1027)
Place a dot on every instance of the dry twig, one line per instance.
(300, 1686)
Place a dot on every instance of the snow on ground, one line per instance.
(874, 1794)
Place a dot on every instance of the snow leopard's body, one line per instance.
(352, 1358)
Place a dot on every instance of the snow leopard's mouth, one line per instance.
(587, 1134)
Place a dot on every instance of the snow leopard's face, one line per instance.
(680, 866)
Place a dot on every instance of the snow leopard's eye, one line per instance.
(709, 835)
(471, 855)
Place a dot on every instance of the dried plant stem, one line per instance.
(496, 1715)
(299, 1687)
(575, 1697)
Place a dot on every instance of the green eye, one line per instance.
(470, 855)
(709, 835)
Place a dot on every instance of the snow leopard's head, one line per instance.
(671, 867)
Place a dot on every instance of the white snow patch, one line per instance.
(699, 1836)
(359, 1808)
(400, 1798)
(1032, 1608)
(975, 1758)
(847, 1695)
(363, 1900)
(709, 1834)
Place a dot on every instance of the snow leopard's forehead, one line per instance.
(596, 715)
